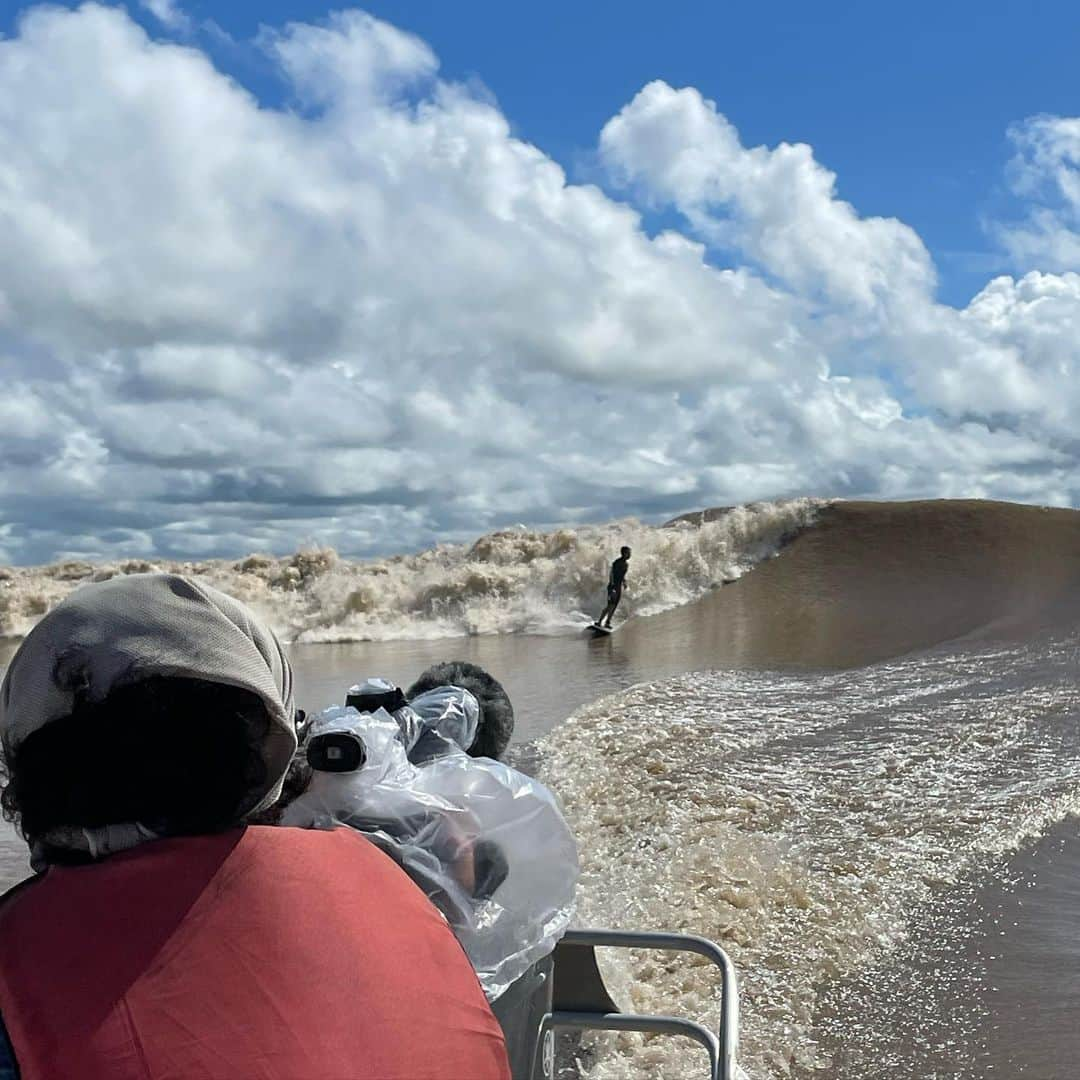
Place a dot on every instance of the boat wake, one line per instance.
(805, 822)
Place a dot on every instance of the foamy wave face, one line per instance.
(802, 822)
(508, 582)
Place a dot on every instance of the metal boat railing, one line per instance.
(581, 1001)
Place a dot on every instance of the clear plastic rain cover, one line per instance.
(487, 843)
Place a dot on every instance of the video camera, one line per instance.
(486, 843)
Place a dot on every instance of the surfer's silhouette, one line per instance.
(615, 586)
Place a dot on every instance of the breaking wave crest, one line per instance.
(513, 581)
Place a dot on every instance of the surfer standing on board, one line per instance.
(615, 586)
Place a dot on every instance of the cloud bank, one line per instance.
(375, 319)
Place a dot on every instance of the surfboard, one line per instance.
(600, 631)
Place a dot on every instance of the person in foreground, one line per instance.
(143, 721)
(615, 586)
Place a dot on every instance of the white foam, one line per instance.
(801, 821)
(515, 581)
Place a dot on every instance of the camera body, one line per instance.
(374, 694)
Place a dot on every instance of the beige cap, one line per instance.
(130, 628)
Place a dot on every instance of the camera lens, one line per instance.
(336, 751)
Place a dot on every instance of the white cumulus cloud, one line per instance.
(1045, 172)
(168, 13)
(375, 318)
(777, 206)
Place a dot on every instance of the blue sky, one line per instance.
(766, 251)
(908, 103)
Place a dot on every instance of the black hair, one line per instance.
(178, 755)
(496, 713)
(624, 551)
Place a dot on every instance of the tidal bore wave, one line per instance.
(515, 581)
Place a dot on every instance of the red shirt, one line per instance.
(261, 954)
